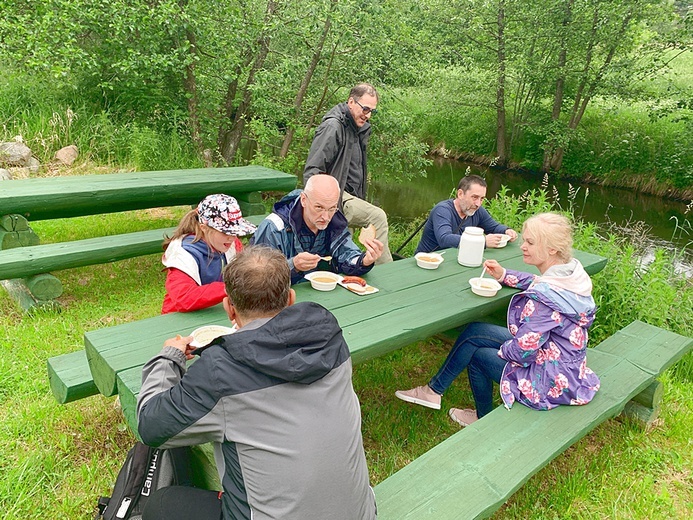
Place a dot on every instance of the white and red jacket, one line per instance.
(194, 279)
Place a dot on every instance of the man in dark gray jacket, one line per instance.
(339, 149)
(275, 397)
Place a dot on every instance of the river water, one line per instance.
(666, 223)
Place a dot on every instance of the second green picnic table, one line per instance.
(412, 304)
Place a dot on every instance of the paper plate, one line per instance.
(204, 335)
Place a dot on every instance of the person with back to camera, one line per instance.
(275, 398)
(449, 218)
(339, 148)
(205, 240)
(307, 226)
(540, 359)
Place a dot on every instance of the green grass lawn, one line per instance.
(55, 460)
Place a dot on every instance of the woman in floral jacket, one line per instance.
(540, 359)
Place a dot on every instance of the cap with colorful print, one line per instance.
(222, 212)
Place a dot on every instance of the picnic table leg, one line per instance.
(644, 408)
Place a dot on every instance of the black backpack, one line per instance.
(145, 470)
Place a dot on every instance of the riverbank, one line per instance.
(637, 183)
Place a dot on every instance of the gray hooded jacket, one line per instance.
(277, 398)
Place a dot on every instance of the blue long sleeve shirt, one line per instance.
(444, 226)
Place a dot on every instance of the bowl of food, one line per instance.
(504, 240)
(485, 286)
(205, 335)
(323, 280)
(428, 260)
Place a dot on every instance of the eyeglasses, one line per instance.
(319, 208)
(366, 110)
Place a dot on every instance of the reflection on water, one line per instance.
(667, 225)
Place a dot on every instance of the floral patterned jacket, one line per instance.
(547, 358)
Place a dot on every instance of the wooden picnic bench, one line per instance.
(22, 257)
(452, 481)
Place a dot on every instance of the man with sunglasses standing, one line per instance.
(339, 148)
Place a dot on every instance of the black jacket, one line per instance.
(333, 146)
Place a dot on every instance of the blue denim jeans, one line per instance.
(477, 350)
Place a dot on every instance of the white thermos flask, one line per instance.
(471, 251)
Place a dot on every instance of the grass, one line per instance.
(56, 460)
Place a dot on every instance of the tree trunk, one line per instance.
(501, 144)
(298, 101)
(560, 86)
(230, 138)
(589, 87)
(319, 107)
(190, 86)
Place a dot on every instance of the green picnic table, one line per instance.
(411, 304)
(26, 264)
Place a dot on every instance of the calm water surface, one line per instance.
(667, 225)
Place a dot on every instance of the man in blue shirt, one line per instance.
(448, 219)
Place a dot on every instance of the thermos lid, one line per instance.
(474, 230)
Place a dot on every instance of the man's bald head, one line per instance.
(320, 199)
(322, 184)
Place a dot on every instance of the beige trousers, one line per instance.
(360, 213)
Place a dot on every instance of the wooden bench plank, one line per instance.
(70, 196)
(650, 348)
(70, 378)
(22, 262)
(454, 481)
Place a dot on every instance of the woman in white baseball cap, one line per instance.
(205, 240)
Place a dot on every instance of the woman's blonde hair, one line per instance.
(189, 225)
(551, 231)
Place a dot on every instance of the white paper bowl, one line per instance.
(323, 280)
(204, 335)
(485, 286)
(504, 241)
(428, 260)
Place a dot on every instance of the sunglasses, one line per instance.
(366, 110)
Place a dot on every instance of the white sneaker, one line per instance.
(463, 417)
(420, 395)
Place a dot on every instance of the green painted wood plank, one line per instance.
(252, 197)
(23, 262)
(70, 378)
(251, 208)
(650, 348)
(28, 261)
(108, 355)
(69, 196)
(125, 381)
(509, 447)
(133, 344)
